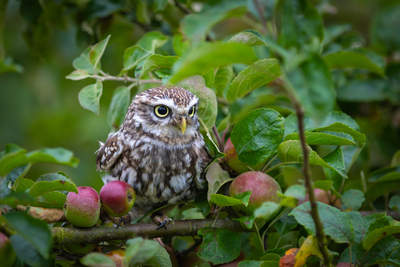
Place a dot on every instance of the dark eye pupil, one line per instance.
(191, 110)
(162, 110)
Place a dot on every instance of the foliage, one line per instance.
(291, 57)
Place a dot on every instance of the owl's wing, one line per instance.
(109, 152)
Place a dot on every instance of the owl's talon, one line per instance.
(162, 221)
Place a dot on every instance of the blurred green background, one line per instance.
(39, 107)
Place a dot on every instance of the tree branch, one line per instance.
(63, 235)
(310, 190)
(306, 171)
(107, 77)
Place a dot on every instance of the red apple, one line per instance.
(117, 198)
(322, 196)
(262, 186)
(232, 158)
(82, 209)
(7, 254)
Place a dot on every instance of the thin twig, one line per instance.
(306, 172)
(107, 77)
(64, 235)
(260, 11)
(219, 140)
(310, 190)
(181, 7)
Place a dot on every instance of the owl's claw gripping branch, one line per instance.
(63, 235)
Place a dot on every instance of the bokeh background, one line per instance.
(39, 107)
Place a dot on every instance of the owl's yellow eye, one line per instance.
(192, 110)
(161, 111)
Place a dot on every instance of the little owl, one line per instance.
(158, 148)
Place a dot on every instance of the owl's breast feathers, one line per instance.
(158, 171)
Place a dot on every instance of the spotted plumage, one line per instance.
(158, 149)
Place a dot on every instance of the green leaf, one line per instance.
(119, 106)
(52, 182)
(363, 90)
(15, 156)
(318, 138)
(219, 246)
(156, 61)
(13, 199)
(267, 210)
(196, 26)
(394, 203)
(152, 40)
(223, 77)
(335, 222)
(254, 76)
(386, 252)
(53, 155)
(377, 234)
(248, 37)
(385, 23)
(53, 199)
(77, 75)
(257, 136)
(97, 259)
(35, 232)
(8, 65)
(207, 109)
(323, 184)
(216, 178)
(180, 44)
(357, 59)
(209, 56)
(83, 63)
(335, 121)
(133, 56)
(148, 252)
(225, 201)
(313, 86)
(97, 51)
(89, 60)
(299, 23)
(296, 191)
(27, 253)
(395, 159)
(291, 151)
(22, 184)
(89, 97)
(352, 199)
(142, 12)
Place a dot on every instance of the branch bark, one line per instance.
(107, 77)
(308, 183)
(63, 235)
(306, 171)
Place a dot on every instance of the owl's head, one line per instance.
(166, 111)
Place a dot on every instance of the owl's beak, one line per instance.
(183, 125)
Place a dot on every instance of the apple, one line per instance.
(117, 256)
(7, 254)
(322, 196)
(343, 264)
(82, 209)
(289, 259)
(117, 198)
(232, 158)
(262, 186)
